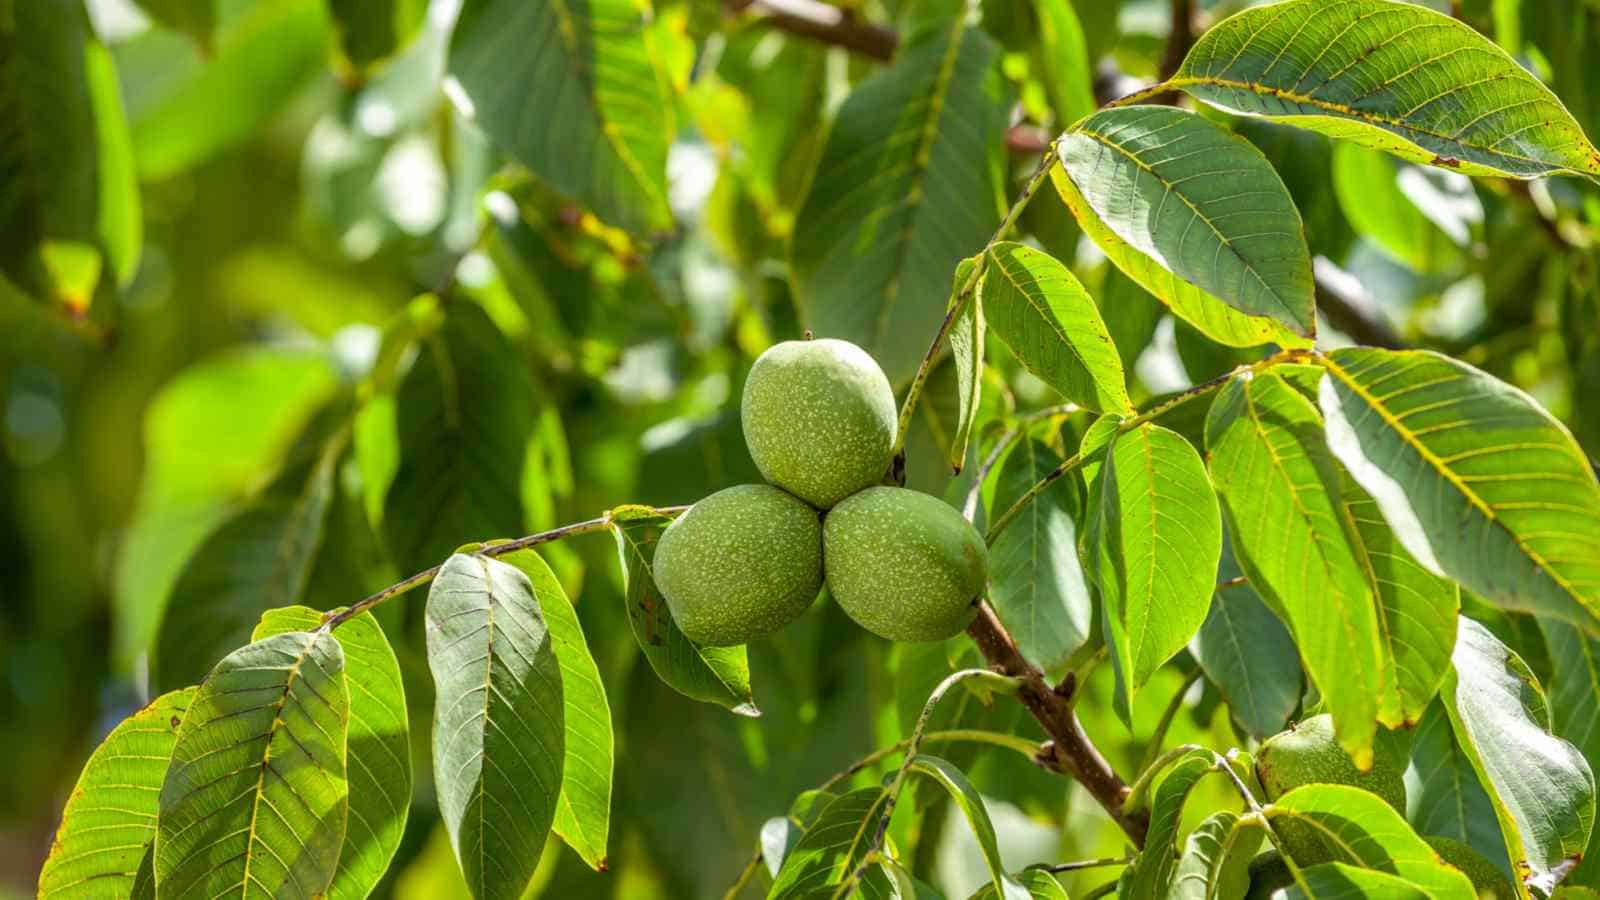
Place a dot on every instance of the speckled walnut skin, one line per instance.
(740, 564)
(905, 565)
(819, 418)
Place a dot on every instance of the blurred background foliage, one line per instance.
(280, 322)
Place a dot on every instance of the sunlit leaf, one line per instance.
(1477, 481)
(1065, 66)
(908, 185)
(1178, 192)
(833, 847)
(1541, 787)
(598, 130)
(1341, 881)
(1044, 315)
(256, 798)
(378, 742)
(498, 738)
(110, 820)
(1280, 488)
(1154, 540)
(1152, 873)
(1358, 828)
(1037, 583)
(966, 349)
(719, 675)
(1395, 76)
(1215, 862)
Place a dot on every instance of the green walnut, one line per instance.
(904, 565)
(819, 418)
(1309, 754)
(1269, 877)
(740, 564)
(1486, 877)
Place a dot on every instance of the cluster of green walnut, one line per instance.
(820, 420)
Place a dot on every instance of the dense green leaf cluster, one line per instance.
(1210, 468)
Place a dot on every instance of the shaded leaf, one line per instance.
(908, 183)
(1151, 874)
(1541, 787)
(1340, 881)
(598, 131)
(719, 675)
(583, 814)
(1443, 796)
(258, 560)
(370, 30)
(1153, 544)
(109, 823)
(1366, 184)
(379, 746)
(256, 798)
(464, 416)
(1358, 828)
(1037, 583)
(1065, 66)
(1053, 327)
(1039, 884)
(1477, 481)
(1575, 713)
(498, 737)
(1201, 203)
(1279, 486)
(1393, 76)
(1247, 652)
(196, 18)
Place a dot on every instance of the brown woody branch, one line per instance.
(1069, 750)
(822, 22)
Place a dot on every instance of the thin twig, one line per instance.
(331, 621)
(969, 509)
(1082, 864)
(1159, 736)
(1152, 768)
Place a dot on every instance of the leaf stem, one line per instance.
(1082, 864)
(1154, 412)
(1167, 715)
(914, 392)
(955, 735)
(1154, 768)
(333, 620)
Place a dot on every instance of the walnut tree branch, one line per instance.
(823, 22)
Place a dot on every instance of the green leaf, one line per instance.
(1216, 859)
(1416, 611)
(208, 436)
(268, 57)
(1203, 204)
(583, 814)
(379, 746)
(68, 168)
(1542, 789)
(1366, 184)
(910, 181)
(1339, 881)
(1064, 63)
(465, 414)
(967, 799)
(966, 348)
(110, 820)
(1151, 874)
(1154, 540)
(498, 736)
(196, 18)
(1478, 482)
(1053, 327)
(1280, 488)
(256, 798)
(1358, 828)
(598, 130)
(1443, 793)
(370, 30)
(1037, 583)
(258, 560)
(1575, 713)
(1392, 76)
(1246, 651)
(719, 675)
(833, 847)
(1039, 884)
